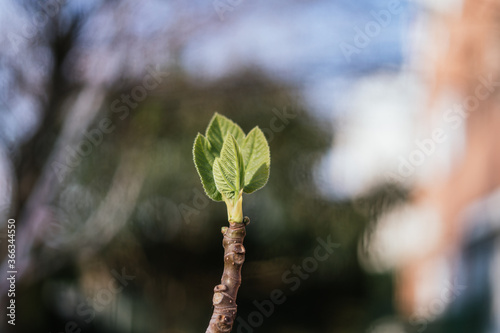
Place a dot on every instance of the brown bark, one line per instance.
(225, 293)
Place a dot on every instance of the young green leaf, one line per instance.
(228, 169)
(257, 160)
(230, 163)
(258, 180)
(218, 129)
(203, 160)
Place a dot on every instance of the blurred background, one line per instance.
(382, 210)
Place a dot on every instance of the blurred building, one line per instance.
(443, 244)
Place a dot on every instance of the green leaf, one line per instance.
(230, 163)
(228, 169)
(258, 180)
(218, 129)
(203, 160)
(257, 160)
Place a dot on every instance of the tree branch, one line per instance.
(225, 294)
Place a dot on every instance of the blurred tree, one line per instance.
(114, 232)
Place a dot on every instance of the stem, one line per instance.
(234, 208)
(224, 299)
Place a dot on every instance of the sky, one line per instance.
(350, 60)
